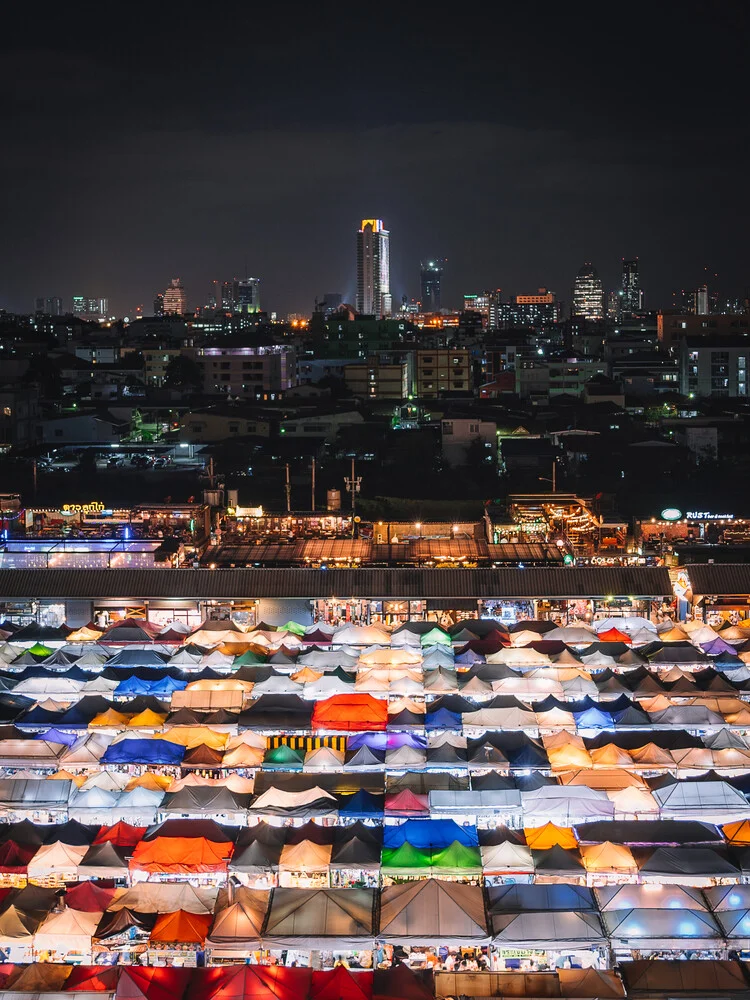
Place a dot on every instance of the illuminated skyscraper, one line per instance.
(588, 293)
(248, 295)
(175, 300)
(373, 269)
(430, 275)
(632, 294)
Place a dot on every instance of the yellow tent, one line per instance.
(608, 857)
(650, 755)
(610, 756)
(77, 779)
(542, 838)
(307, 675)
(190, 736)
(243, 756)
(148, 720)
(110, 719)
(153, 782)
(566, 757)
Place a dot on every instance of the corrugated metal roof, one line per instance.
(715, 578)
(197, 584)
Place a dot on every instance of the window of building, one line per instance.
(447, 427)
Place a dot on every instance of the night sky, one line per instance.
(184, 141)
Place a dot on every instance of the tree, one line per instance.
(183, 372)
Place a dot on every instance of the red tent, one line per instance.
(7, 974)
(261, 982)
(613, 635)
(340, 984)
(121, 835)
(149, 983)
(181, 927)
(408, 802)
(15, 857)
(351, 713)
(89, 897)
(92, 979)
(400, 983)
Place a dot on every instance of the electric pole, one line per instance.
(288, 490)
(312, 485)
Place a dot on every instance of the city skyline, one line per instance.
(516, 176)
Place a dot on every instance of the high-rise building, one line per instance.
(588, 293)
(159, 304)
(373, 269)
(700, 300)
(430, 276)
(632, 294)
(229, 294)
(175, 300)
(50, 306)
(537, 309)
(90, 308)
(248, 296)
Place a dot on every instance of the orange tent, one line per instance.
(181, 927)
(613, 635)
(737, 834)
(181, 855)
(351, 712)
(542, 838)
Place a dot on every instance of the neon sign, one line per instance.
(706, 515)
(95, 507)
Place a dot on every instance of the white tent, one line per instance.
(67, 933)
(565, 805)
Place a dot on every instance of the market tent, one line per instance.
(432, 834)
(400, 983)
(556, 929)
(433, 910)
(89, 896)
(152, 983)
(166, 897)
(608, 857)
(670, 928)
(305, 857)
(260, 982)
(340, 984)
(241, 920)
(104, 861)
(542, 838)
(67, 932)
(690, 977)
(181, 927)
(688, 865)
(56, 858)
(506, 858)
(320, 918)
(352, 712)
(361, 635)
(653, 896)
(181, 855)
(279, 802)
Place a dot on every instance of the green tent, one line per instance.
(404, 860)
(436, 636)
(284, 755)
(39, 650)
(248, 659)
(293, 627)
(457, 859)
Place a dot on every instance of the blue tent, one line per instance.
(593, 718)
(386, 741)
(361, 805)
(55, 736)
(443, 719)
(432, 834)
(137, 751)
(131, 686)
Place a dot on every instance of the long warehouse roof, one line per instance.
(218, 584)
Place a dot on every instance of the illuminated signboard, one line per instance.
(706, 515)
(94, 507)
(671, 514)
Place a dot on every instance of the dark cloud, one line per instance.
(517, 146)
